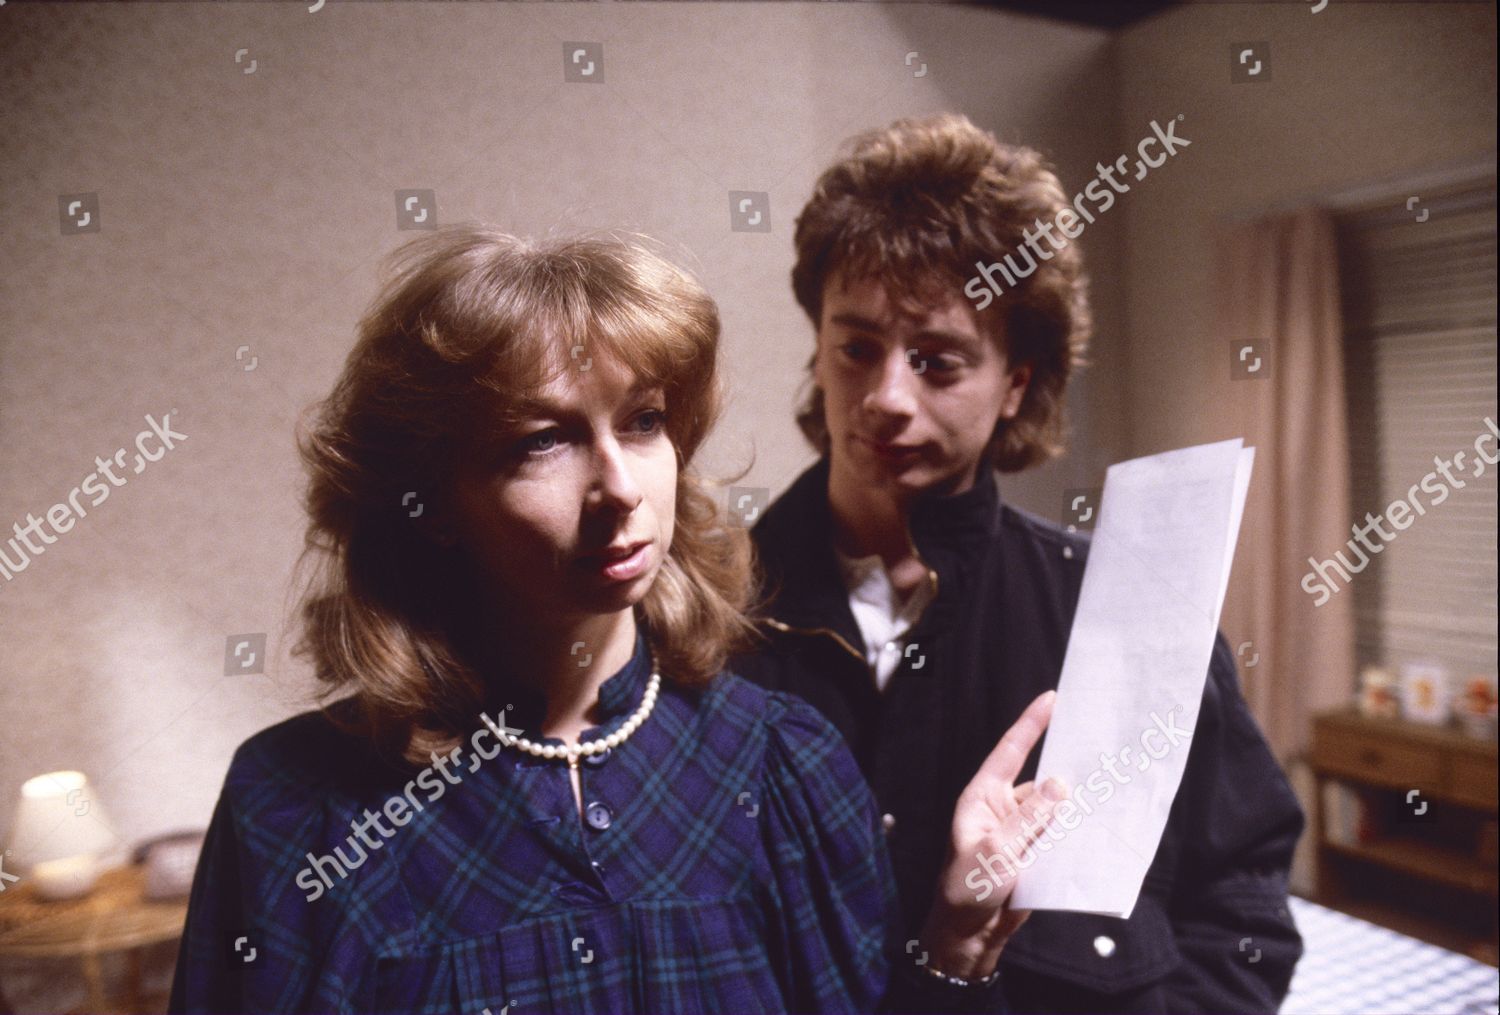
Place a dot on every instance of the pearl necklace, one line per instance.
(573, 752)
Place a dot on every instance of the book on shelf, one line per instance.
(1347, 815)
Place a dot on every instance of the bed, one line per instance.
(1354, 966)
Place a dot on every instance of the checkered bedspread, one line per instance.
(1353, 966)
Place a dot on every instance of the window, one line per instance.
(1419, 313)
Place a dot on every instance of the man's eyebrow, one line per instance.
(850, 319)
(951, 337)
(860, 322)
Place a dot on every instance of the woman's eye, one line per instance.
(651, 421)
(539, 443)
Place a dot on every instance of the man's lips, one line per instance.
(888, 449)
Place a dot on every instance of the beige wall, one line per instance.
(249, 209)
(1359, 95)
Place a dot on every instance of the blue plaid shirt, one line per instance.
(729, 859)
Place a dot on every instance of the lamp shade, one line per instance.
(60, 831)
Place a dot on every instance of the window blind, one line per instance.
(1419, 315)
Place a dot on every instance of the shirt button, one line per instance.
(891, 646)
(1104, 945)
(887, 823)
(598, 816)
(598, 757)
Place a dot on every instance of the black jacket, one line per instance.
(1211, 931)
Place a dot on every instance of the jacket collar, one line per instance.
(803, 584)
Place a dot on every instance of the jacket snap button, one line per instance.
(597, 759)
(887, 823)
(597, 815)
(1104, 945)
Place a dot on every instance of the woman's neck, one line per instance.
(566, 664)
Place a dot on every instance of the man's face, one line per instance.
(911, 401)
(572, 513)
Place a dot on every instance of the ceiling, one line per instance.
(1099, 13)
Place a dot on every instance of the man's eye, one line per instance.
(936, 363)
(859, 350)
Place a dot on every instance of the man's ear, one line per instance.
(1017, 381)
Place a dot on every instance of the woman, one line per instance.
(541, 792)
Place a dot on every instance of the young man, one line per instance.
(921, 613)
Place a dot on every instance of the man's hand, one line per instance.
(964, 934)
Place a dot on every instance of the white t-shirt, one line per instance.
(882, 620)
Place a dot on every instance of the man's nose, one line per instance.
(894, 393)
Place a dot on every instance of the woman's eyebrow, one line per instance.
(531, 406)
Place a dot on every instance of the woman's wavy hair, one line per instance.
(468, 323)
(915, 205)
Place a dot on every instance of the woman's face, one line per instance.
(572, 513)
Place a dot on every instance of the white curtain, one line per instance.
(1277, 290)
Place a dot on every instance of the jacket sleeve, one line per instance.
(837, 927)
(1240, 825)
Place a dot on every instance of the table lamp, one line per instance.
(60, 833)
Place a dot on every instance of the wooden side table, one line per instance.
(1399, 770)
(114, 917)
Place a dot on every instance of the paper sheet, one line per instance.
(1133, 676)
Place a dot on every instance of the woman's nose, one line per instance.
(614, 480)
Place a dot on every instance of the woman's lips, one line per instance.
(614, 567)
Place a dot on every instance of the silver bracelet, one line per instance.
(959, 981)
